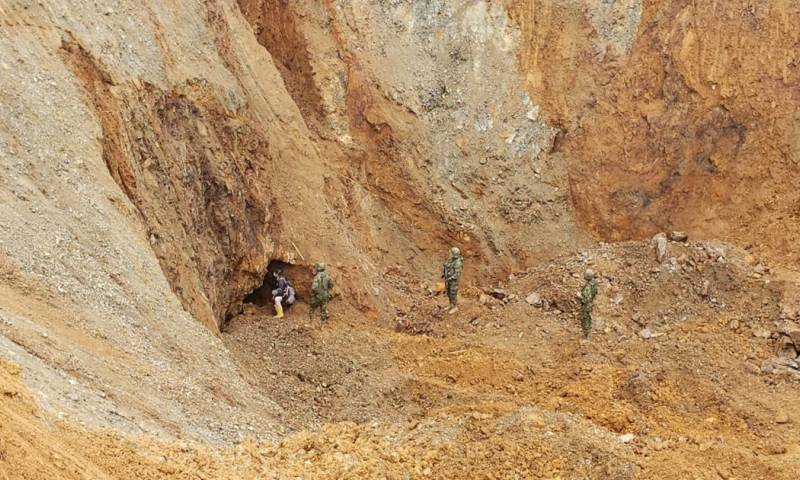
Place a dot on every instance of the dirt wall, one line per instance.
(689, 123)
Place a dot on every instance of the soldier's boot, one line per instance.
(278, 310)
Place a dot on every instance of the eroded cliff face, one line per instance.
(660, 114)
(505, 119)
(689, 123)
(200, 134)
(426, 101)
(153, 164)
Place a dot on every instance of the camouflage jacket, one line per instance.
(452, 269)
(588, 293)
(322, 284)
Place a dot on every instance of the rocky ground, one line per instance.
(690, 373)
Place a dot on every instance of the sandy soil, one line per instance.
(499, 390)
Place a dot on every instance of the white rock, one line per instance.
(660, 244)
(534, 299)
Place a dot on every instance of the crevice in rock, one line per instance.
(276, 29)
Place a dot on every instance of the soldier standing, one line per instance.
(452, 275)
(321, 292)
(588, 293)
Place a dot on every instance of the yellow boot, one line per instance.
(279, 309)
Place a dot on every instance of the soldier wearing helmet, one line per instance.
(452, 275)
(588, 293)
(321, 292)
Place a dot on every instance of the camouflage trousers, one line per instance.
(452, 292)
(321, 304)
(586, 320)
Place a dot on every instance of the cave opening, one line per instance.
(296, 275)
(262, 295)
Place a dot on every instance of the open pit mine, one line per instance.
(399, 239)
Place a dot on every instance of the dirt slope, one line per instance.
(501, 390)
(687, 358)
(445, 446)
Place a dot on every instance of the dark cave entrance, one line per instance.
(262, 295)
(298, 276)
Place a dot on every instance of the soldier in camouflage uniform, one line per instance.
(321, 292)
(452, 275)
(588, 293)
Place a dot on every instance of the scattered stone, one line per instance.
(775, 448)
(704, 290)
(782, 418)
(646, 333)
(724, 473)
(790, 330)
(499, 293)
(780, 364)
(627, 438)
(484, 299)
(660, 244)
(659, 444)
(762, 333)
(752, 368)
(599, 324)
(518, 377)
(534, 299)
(786, 348)
(734, 325)
(677, 236)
